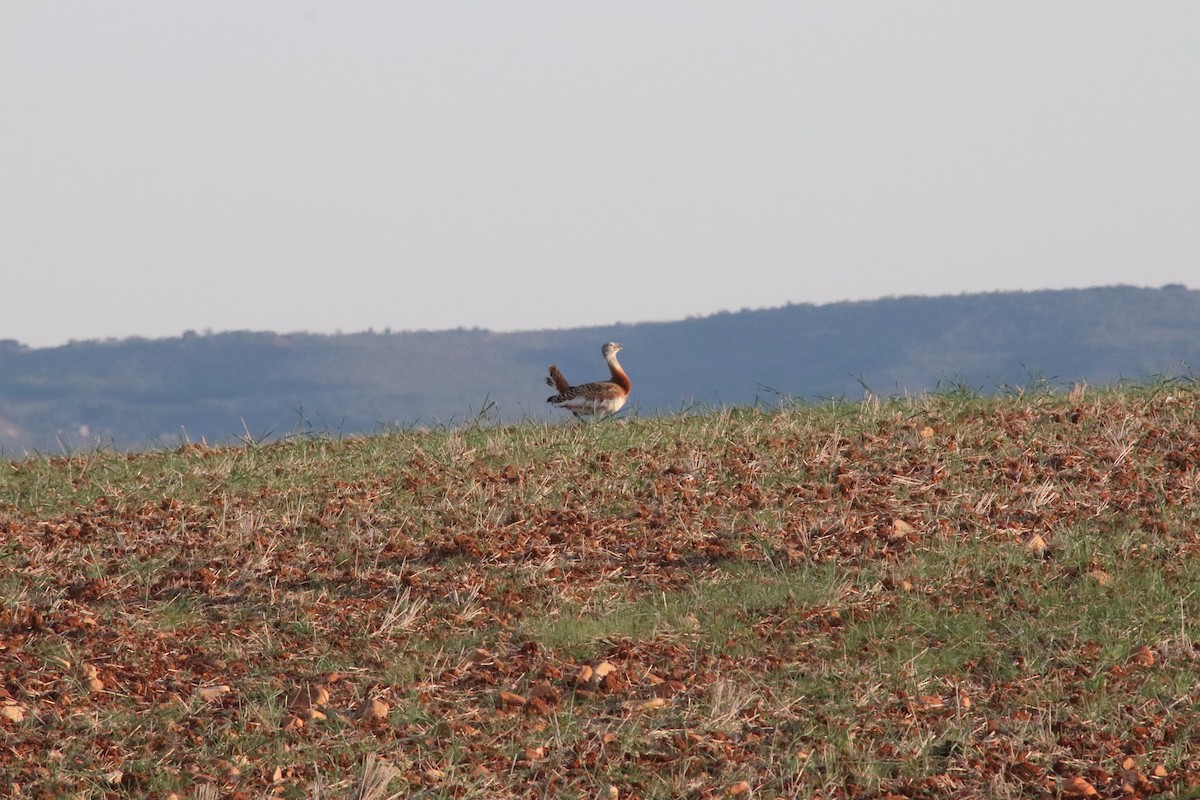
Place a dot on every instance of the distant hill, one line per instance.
(134, 393)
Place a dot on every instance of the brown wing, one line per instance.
(587, 394)
(600, 390)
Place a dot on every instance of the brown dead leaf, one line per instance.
(1134, 782)
(1143, 656)
(1025, 771)
(931, 701)
(605, 676)
(602, 669)
(508, 698)
(12, 712)
(308, 697)
(545, 692)
(373, 709)
(927, 432)
(211, 694)
(1035, 544)
(738, 789)
(92, 676)
(1078, 787)
(900, 530)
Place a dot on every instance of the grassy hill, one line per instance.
(214, 388)
(947, 595)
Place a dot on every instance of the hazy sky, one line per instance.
(288, 166)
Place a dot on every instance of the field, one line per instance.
(944, 596)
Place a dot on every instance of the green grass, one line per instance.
(714, 613)
(946, 595)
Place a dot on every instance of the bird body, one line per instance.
(592, 400)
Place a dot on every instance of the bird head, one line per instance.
(610, 349)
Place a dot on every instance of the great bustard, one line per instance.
(595, 400)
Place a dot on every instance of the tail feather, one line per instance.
(557, 380)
